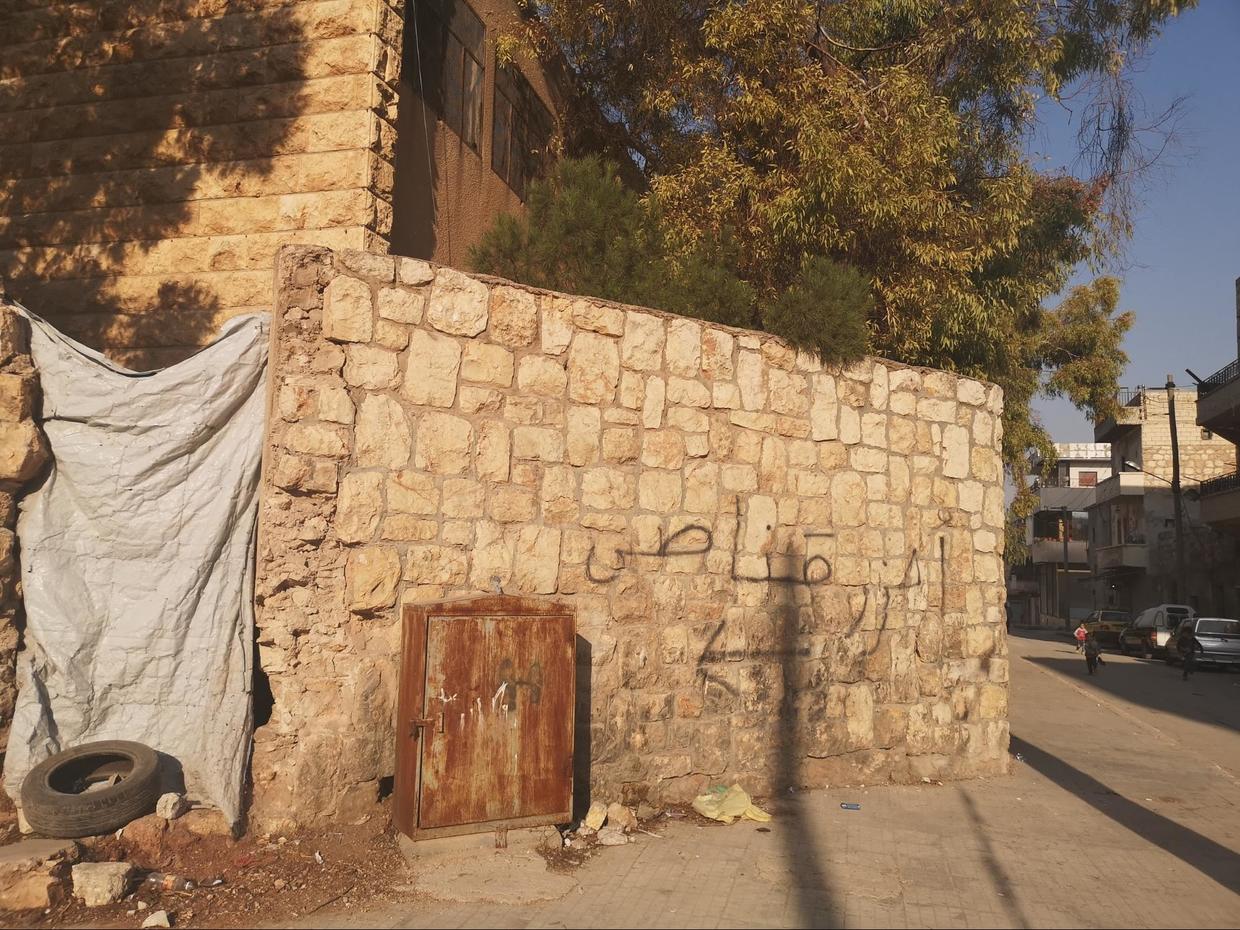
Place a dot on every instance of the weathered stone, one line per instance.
(751, 379)
(684, 347)
(494, 451)
(540, 375)
(717, 348)
(171, 805)
(536, 565)
(608, 489)
(487, 364)
(702, 487)
(512, 504)
(598, 317)
(431, 369)
(371, 575)
(663, 449)
(556, 325)
(370, 367)
(955, 452)
(620, 445)
(659, 491)
(17, 395)
(540, 443)
(401, 305)
(444, 444)
(99, 883)
(652, 405)
(435, 565)
(582, 426)
(458, 304)
(22, 451)
(347, 311)
(514, 317)
(410, 491)
(359, 506)
(688, 392)
(157, 919)
(593, 369)
(383, 437)
(644, 338)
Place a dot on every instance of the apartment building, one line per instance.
(1055, 584)
(1132, 518)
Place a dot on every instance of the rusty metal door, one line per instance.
(485, 725)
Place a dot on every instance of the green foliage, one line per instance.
(824, 311)
(585, 233)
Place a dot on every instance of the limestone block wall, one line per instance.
(154, 156)
(23, 452)
(785, 573)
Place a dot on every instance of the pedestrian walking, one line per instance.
(1093, 654)
(1191, 648)
(1081, 635)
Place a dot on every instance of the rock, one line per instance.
(146, 834)
(620, 816)
(205, 821)
(645, 811)
(157, 919)
(612, 836)
(32, 873)
(596, 815)
(100, 883)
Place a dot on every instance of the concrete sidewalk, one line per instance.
(1111, 819)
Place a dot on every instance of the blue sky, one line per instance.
(1180, 267)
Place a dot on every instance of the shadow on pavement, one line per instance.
(813, 896)
(1202, 853)
(1002, 882)
(1208, 697)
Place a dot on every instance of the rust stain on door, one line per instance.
(485, 729)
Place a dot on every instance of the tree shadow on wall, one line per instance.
(127, 133)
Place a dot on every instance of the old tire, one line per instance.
(55, 796)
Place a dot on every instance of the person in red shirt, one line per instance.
(1081, 635)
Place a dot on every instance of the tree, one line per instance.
(887, 138)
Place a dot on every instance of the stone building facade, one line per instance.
(155, 156)
(785, 574)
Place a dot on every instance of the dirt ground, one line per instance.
(264, 879)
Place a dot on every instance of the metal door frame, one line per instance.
(411, 703)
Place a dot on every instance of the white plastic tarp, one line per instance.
(137, 557)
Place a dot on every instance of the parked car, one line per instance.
(1106, 625)
(1149, 631)
(1219, 640)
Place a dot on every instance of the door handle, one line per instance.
(421, 723)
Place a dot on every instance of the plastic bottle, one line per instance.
(851, 806)
(165, 882)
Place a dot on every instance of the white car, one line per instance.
(1149, 631)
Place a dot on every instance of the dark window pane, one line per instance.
(471, 130)
(453, 85)
(425, 51)
(501, 135)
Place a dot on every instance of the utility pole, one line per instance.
(1064, 599)
(1181, 587)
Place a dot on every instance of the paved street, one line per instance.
(1124, 811)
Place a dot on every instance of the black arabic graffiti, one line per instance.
(509, 683)
(696, 539)
(673, 545)
(807, 577)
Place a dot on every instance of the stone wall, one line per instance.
(154, 156)
(23, 453)
(786, 574)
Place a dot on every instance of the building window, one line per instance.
(1047, 524)
(1206, 434)
(446, 65)
(521, 131)
(1088, 479)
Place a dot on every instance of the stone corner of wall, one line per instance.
(23, 454)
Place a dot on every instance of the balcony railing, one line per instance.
(1220, 484)
(1129, 397)
(1224, 375)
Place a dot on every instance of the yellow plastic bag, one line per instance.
(727, 804)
